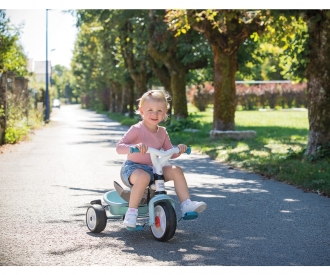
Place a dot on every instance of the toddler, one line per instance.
(137, 170)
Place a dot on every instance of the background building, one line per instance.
(39, 70)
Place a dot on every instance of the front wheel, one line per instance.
(96, 218)
(165, 222)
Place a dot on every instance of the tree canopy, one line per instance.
(12, 57)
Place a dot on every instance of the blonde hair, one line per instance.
(157, 95)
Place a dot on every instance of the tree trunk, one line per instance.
(161, 73)
(124, 99)
(3, 106)
(177, 73)
(138, 72)
(176, 69)
(164, 77)
(131, 100)
(115, 88)
(224, 89)
(178, 87)
(136, 68)
(128, 98)
(225, 45)
(318, 115)
(141, 80)
(318, 76)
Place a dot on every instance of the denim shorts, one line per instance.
(129, 167)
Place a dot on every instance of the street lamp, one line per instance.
(47, 92)
(47, 77)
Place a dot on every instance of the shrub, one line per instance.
(272, 95)
(201, 96)
(18, 124)
(183, 123)
(323, 152)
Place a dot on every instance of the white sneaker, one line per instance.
(130, 219)
(193, 206)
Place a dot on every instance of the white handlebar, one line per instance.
(159, 157)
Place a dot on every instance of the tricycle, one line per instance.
(155, 204)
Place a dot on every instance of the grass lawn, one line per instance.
(276, 152)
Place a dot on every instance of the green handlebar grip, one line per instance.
(133, 149)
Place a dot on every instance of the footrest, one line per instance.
(137, 228)
(190, 216)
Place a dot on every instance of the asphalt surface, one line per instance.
(46, 185)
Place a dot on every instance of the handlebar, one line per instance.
(133, 149)
(159, 158)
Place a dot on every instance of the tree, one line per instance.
(308, 49)
(318, 75)
(85, 63)
(133, 35)
(225, 30)
(179, 55)
(58, 80)
(113, 48)
(64, 83)
(12, 57)
(259, 60)
(103, 42)
(278, 53)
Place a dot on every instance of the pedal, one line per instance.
(137, 228)
(190, 216)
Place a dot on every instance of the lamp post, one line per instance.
(47, 92)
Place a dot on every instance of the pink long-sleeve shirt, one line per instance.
(138, 133)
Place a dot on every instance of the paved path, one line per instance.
(46, 185)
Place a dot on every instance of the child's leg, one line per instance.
(140, 180)
(175, 173)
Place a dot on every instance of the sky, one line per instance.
(61, 34)
(61, 26)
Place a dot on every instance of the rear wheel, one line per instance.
(165, 222)
(96, 218)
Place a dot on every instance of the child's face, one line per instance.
(153, 111)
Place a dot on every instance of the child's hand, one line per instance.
(183, 148)
(142, 147)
